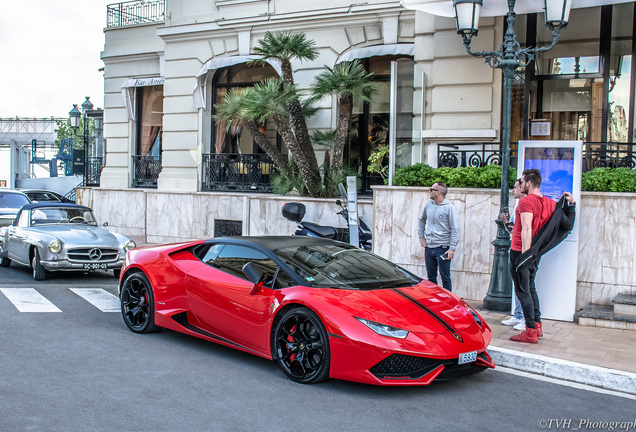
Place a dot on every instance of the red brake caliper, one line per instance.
(290, 338)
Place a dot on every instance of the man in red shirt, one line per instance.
(531, 214)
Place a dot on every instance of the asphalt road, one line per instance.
(81, 369)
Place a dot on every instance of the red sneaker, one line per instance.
(539, 327)
(529, 335)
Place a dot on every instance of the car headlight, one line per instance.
(475, 316)
(129, 245)
(383, 329)
(55, 246)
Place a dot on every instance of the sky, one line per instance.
(50, 56)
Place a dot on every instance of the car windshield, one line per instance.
(62, 215)
(12, 200)
(334, 266)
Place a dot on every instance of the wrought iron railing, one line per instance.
(476, 154)
(93, 171)
(135, 12)
(237, 172)
(146, 170)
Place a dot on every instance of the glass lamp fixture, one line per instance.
(467, 17)
(74, 116)
(557, 13)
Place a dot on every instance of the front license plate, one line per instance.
(93, 266)
(468, 357)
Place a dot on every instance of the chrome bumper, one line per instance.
(66, 265)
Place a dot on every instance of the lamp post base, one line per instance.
(499, 297)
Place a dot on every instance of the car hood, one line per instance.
(80, 235)
(424, 308)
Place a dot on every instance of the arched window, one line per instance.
(238, 140)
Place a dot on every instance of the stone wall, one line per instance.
(607, 239)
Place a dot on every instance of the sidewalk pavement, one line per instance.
(595, 356)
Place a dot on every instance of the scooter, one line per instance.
(295, 212)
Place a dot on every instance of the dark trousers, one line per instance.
(526, 290)
(432, 257)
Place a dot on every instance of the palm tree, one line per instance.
(232, 113)
(280, 100)
(272, 98)
(285, 47)
(347, 81)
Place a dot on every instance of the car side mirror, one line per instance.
(105, 224)
(256, 275)
(338, 202)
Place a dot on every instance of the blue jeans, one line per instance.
(518, 313)
(432, 257)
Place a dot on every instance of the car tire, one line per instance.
(4, 261)
(39, 272)
(138, 304)
(301, 346)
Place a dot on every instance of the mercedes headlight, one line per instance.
(129, 245)
(55, 246)
(383, 329)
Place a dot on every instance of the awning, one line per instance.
(218, 63)
(129, 86)
(377, 50)
(497, 7)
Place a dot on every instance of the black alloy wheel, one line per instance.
(302, 346)
(137, 304)
(39, 272)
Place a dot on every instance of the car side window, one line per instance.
(211, 254)
(23, 221)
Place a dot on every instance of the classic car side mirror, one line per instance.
(105, 224)
(256, 275)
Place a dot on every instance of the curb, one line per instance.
(609, 379)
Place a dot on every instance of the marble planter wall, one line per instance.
(607, 228)
(167, 217)
(607, 239)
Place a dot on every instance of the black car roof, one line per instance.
(274, 242)
(53, 205)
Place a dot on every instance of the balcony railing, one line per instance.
(237, 172)
(93, 171)
(612, 155)
(135, 12)
(146, 170)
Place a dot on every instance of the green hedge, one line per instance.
(465, 177)
(609, 180)
(597, 180)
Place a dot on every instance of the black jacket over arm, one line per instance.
(551, 234)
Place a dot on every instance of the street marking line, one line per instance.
(100, 298)
(29, 300)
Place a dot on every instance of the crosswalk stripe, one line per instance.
(101, 299)
(28, 300)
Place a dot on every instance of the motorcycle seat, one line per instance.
(320, 230)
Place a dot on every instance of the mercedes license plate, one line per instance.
(468, 357)
(93, 266)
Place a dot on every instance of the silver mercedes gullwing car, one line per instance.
(61, 237)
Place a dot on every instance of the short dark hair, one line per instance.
(443, 188)
(533, 176)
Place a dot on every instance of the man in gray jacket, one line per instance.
(438, 231)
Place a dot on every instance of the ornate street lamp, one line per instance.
(508, 58)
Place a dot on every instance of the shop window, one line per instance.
(581, 88)
(370, 120)
(149, 120)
